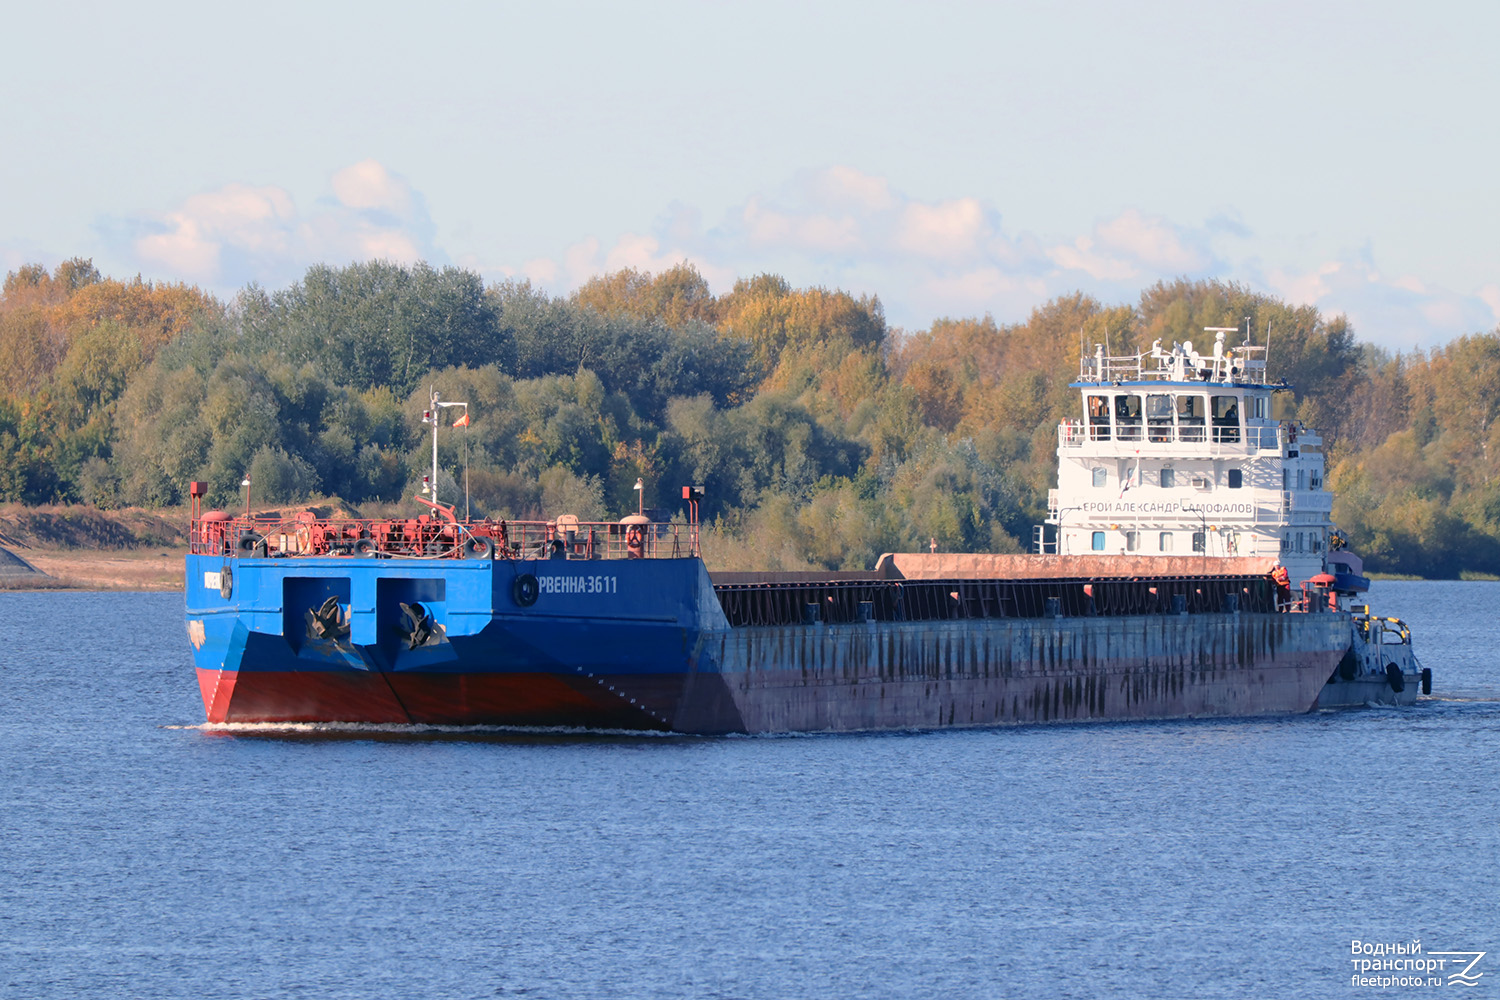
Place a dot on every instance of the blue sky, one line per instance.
(954, 159)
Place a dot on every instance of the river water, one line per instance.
(142, 854)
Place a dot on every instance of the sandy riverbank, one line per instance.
(99, 569)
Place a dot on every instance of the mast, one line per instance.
(431, 416)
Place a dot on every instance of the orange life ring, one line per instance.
(635, 542)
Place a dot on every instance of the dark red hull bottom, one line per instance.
(520, 699)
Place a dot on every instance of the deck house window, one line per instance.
(1168, 479)
(1226, 411)
(1200, 541)
(1159, 417)
(1190, 410)
(1098, 541)
(1098, 407)
(1132, 541)
(1166, 541)
(1128, 418)
(1101, 477)
(1236, 478)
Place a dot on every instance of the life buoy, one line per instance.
(524, 590)
(635, 542)
(479, 547)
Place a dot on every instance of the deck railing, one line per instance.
(1076, 433)
(428, 537)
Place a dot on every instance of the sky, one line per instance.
(953, 159)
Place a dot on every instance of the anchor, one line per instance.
(419, 629)
(328, 622)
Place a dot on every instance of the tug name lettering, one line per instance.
(1167, 507)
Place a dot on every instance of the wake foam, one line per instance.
(404, 729)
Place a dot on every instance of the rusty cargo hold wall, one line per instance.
(799, 599)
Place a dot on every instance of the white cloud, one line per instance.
(1135, 247)
(1399, 313)
(1081, 256)
(1154, 243)
(1303, 288)
(849, 186)
(1490, 296)
(950, 230)
(369, 185)
(838, 227)
(815, 232)
(259, 220)
(844, 228)
(240, 233)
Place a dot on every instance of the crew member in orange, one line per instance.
(1283, 584)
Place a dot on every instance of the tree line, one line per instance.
(822, 436)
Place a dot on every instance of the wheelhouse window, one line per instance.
(1257, 407)
(1159, 417)
(1098, 541)
(1226, 410)
(1190, 410)
(1128, 418)
(1098, 409)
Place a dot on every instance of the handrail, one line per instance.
(429, 537)
(1073, 433)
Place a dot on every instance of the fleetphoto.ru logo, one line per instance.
(1382, 966)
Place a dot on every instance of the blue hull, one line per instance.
(646, 644)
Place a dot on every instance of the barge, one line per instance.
(441, 620)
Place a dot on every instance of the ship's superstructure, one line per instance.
(1177, 454)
